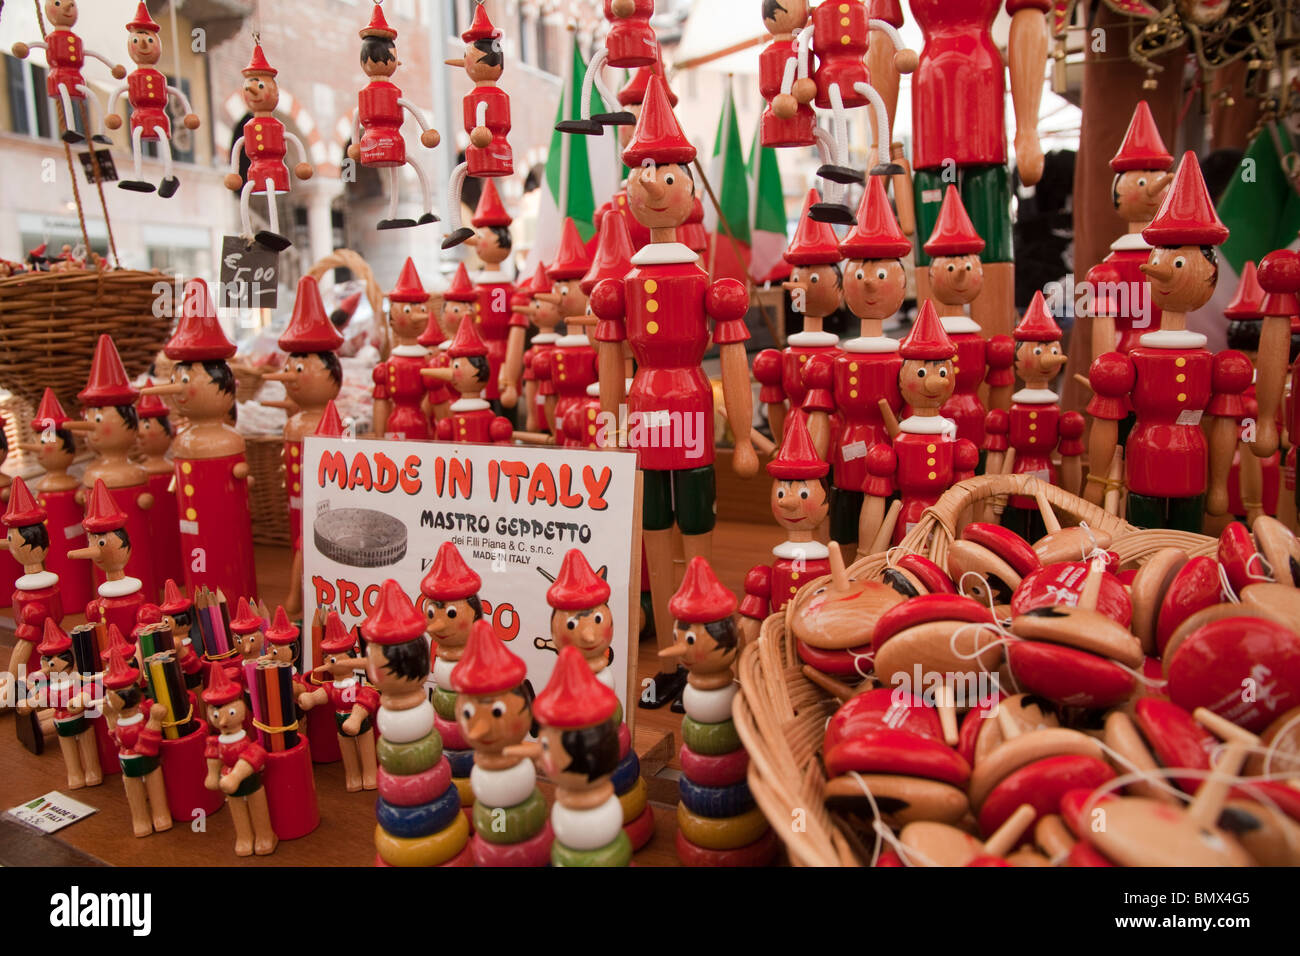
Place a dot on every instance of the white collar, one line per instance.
(121, 588)
(813, 339)
(1173, 339)
(958, 324)
(409, 351)
(469, 405)
(545, 338)
(442, 346)
(234, 738)
(345, 683)
(1130, 242)
(664, 254)
(871, 344)
(34, 582)
(808, 550)
(1036, 396)
(593, 390)
(929, 425)
(574, 340)
(130, 721)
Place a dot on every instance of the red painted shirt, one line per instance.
(861, 379)
(841, 35)
(66, 56)
(265, 146)
(242, 747)
(497, 159)
(146, 88)
(214, 515)
(380, 116)
(399, 381)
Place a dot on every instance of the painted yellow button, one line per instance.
(294, 450)
(1182, 396)
(933, 476)
(189, 490)
(1180, 377)
(930, 448)
(1180, 362)
(652, 327)
(930, 462)
(1033, 414)
(651, 286)
(186, 467)
(297, 486)
(191, 513)
(652, 306)
(853, 393)
(853, 380)
(853, 366)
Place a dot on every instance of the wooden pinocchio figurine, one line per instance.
(355, 703)
(235, 764)
(377, 141)
(719, 823)
(816, 287)
(1122, 305)
(789, 119)
(109, 547)
(137, 731)
(1171, 471)
(57, 491)
(471, 418)
(265, 142)
(458, 300)
(539, 390)
(37, 595)
(572, 363)
(66, 55)
(400, 390)
(493, 245)
(579, 752)
(926, 457)
(865, 370)
(419, 810)
(800, 505)
(153, 442)
(661, 308)
(111, 425)
(487, 117)
(281, 644)
(312, 377)
(58, 686)
(208, 457)
(148, 92)
(246, 628)
(613, 260)
(1035, 426)
(629, 43)
(494, 711)
(1279, 275)
(956, 282)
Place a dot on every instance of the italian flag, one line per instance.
(729, 236)
(766, 215)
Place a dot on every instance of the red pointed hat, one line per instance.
(1142, 147)
(108, 383)
(927, 340)
(572, 260)
(246, 621)
(282, 631)
(174, 599)
(408, 288)
(117, 642)
(490, 211)
(449, 577)
(523, 294)
(147, 614)
(378, 26)
(394, 619)
(701, 599)
(151, 406)
(461, 288)
(142, 20)
(198, 336)
(120, 674)
(658, 136)
(481, 28)
(877, 234)
(338, 639)
(1037, 324)
(814, 243)
(102, 512)
(633, 92)
(954, 234)
(614, 252)
(573, 698)
(258, 65)
(49, 411)
(487, 666)
(467, 342)
(1248, 303)
(221, 689)
(1186, 216)
(330, 425)
(577, 587)
(24, 510)
(797, 459)
(541, 281)
(309, 329)
(54, 640)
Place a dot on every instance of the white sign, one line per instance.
(54, 811)
(374, 510)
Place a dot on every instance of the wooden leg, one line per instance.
(870, 519)
(72, 763)
(659, 566)
(138, 801)
(89, 752)
(1250, 479)
(351, 763)
(243, 825)
(264, 838)
(530, 407)
(293, 603)
(157, 790)
(995, 308)
(369, 761)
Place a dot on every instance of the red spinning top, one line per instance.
(409, 287)
(925, 608)
(898, 752)
(658, 136)
(701, 599)
(884, 708)
(490, 211)
(221, 689)
(571, 261)
(877, 234)
(49, 412)
(1196, 586)
(814, 243)
(927, 341)
(1175, 737)
(487, 666)
(577, 587)
(54, 640)
(798, 459)
(1067, 675)
(1142, 147)
(198, 336)
(24, 510)
(330, 425)
(1006, 544)
(102, 512)
(108, 383)
(282, 631)
(120, 675)
(614, 252)
(394, 619)
(309, 329)
(954, 234)
(573, 698)
(449, 577)
(1042, 784)
(1061, 584)
(1186, 216)
(245, 621)
(1246, 669)
(467, 342)
(338, 639)
(461, 289)
(1037, 324)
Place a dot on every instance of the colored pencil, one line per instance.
(165, 684)
(154, 639)
(85, 649)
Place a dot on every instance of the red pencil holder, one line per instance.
(106, 746)
(323, 732)
(291, 791)
(184, 769)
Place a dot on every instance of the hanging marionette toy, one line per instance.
(926, 456)
(493, 246)
(661, 308)
(152, 445)
(400, 390)
(36, 595)
(312, 378)
(510, 383)
(58, 492)
(539, 390)
(265, 142)
(1173, 474)
(59, 686)
(208, 456)
(66, 55)
(137, 732)
(377, 141)
(629, 44)
(572, 363)
(109, 547)
(354, 702)
(1035, 427)
(471, 418)
(148, 92)
(788, 120)
(494, 712)
(235, 765)
(487, 117)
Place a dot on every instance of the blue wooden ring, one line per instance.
(728, 801)
(626, 773)
(421, 820)
(462, 761)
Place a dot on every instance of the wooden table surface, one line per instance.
(344, 837)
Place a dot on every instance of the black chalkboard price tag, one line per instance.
(107, 169)
(249, 275)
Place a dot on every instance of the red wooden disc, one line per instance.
(988, 860)
(759, 853)
(413, 789)
(1068, 676)
(1061, 584)
(926, 608)
(838, 663)
(1007, 545)
(884, 708)
(1041, 784)
(934, 578)
(1246, 669)
(1073, 803)
(1175, 738)
(888, 858)
(535, 851)
(709, 771)
(1270, 793)
(1194, 587)
(449, 730)
(969, 733)
(895, 751)
(464, 858)
(1238, 556)
(624, 740)
(640, 830)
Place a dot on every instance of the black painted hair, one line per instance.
(503, 236)
(35, 536)
(592, 750)
(480, 362)
(1243, 336)
(165, 424)
(529, 695)
(724, 632)
(1114, 190)
(129, 415)
(379, 49)
(4, 442)
(408, 660)
(490, 47)
(329, 360)
(217, 370)
(770, 7)
(65, 438)
(123, 537)
(131, 696)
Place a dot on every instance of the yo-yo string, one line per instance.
(1096, 550)
(1274, 747)
(857, 664)
(1126, 764)
(875, 813)
(1226, 587)
(1268, 575)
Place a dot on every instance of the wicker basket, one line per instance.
(347, 259)
(781, 715)
(266, 498)
(50, 322)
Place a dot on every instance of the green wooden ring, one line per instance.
(710, 739)
(616, 853)
(511, 824)
(415, 757)
(444, 702)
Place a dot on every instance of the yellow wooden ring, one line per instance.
(721, 833)
(431, 850)
(465, 790)
(633, 801)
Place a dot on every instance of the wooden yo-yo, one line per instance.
(938, 844)
(1158, 734)
(1281, 740)
(1075, 656)
(914, 574)
(1267, 551)
(886, 748)
(988, 562)
(833, 622)
(938, 641)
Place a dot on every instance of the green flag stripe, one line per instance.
(1260, 207)
(581, 200)
(769, 213)
(733, 190)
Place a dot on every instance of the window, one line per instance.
(522, 31)
(182, 140)
(30, 110)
